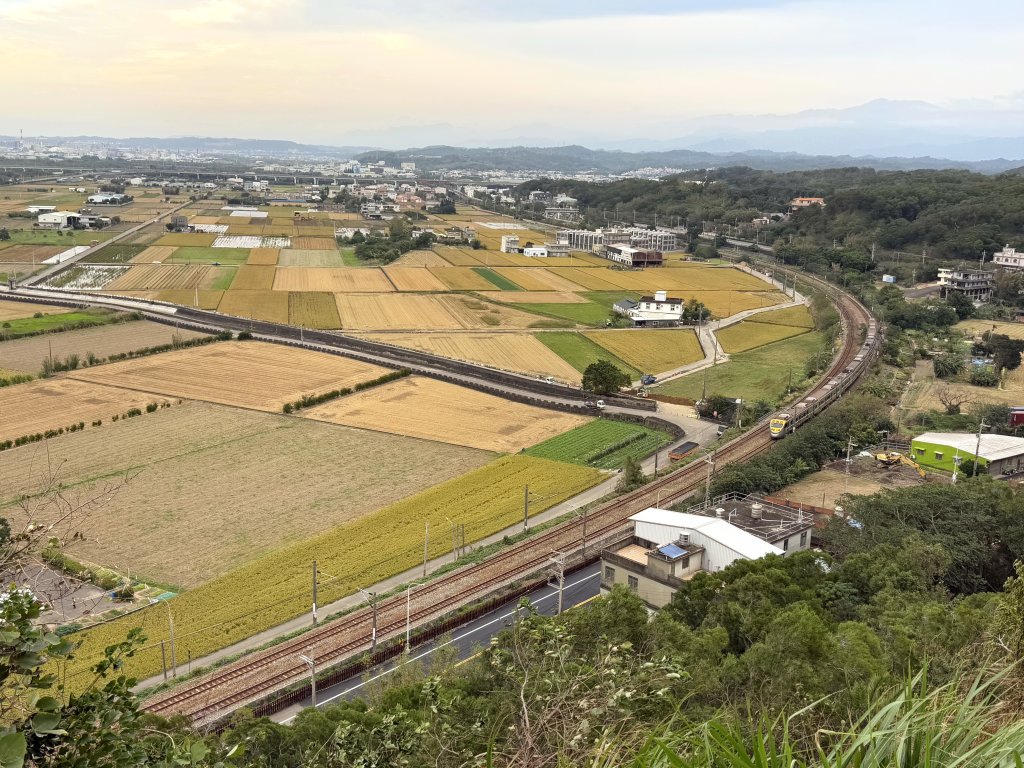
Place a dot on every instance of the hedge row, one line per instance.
(608, 450)
(10, 381)
(308, 401)
(146, 351)
(17, 442)
(113, 319)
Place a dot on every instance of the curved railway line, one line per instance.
(259, 674)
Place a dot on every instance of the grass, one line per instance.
(223, 280)
(652, 351)
(595, 312)
(500, 281)
(275, 588)
(747, 335)
(601, 443)
(115, 253)
(31, 326)
(193, 254)
(760, 374)
(53, 237)
(579, 351)
(349, 258)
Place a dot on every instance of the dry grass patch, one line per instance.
(419, 259)
(414, 279)
(313, 310)
(263, 257)
(334, 280)
(651, 351)
(56, 403)
(234, 510)
(519, 352)
(154, 254)
(461, 279)
(247, 374)
(256, 305)
(15, 310)
(978, 327)
(314, 243)
(826, 488)
(292, 257)
(26, 355)
(250, 277)
(534, 297)
(436, 410)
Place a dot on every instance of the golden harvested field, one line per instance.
(461, 279)
(799, 317)
(263, 257)
(436, 410)
(187, 238)
(651, 351)
(275, 587)
(414, 279)
(339, 216)
(419, 259)
(978, 327)
(456, 256)
(520, 352)
(727, 303)
(524, 278)
(413, 312)
(187, 298)
(313, 310)
(555, 280)
(315, 243)
(590, 278)
(26, 355)
(745, 335)
(256, 305)
(333, 279)
(150, 527)
(14, 310)
(28, 254)
(55, 403)
(252, 229)
(534, 297)
(292, 257)
(249, 374)
(155, 277)
(203, 219)
(250, 277)
(154, 253)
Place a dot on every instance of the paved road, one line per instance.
(466, 641)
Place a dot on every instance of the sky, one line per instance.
(563, 72)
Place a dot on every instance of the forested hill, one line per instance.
(955, 214)
(577, 159)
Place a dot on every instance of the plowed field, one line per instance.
(155, 277)
(313, 310)
(256, 305)
(264, 257)
(414, 279)
(154, 253)
(253, 278)
(337, 280)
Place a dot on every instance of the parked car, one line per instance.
(647, 379)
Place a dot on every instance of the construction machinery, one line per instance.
(894, 459)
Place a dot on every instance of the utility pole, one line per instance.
(454, 527)
(872, 253)
(526, 508)
(710, 459)
(408, 614)
(170, 626)
(557, 560)
(311, 663)
(974, 469)
(373, 607)
(426, 546)
(584, 547)
(314, 593)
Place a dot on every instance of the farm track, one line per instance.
(254, 677)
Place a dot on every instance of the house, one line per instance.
(632, 257)
(557, 249)
(975, 284)
(106, 198)
(260, 185)
(666, 549)
(659, 309)
(372, 210)
(536, 251)
(41, 209)
(998, 454)
(510, 244)
(93, 221)
(806, 202)
(1008, 258)
(57, 220)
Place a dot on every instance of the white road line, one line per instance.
(442, 645)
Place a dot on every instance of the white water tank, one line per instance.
(839, 512)
(756, 510)
(719, 511)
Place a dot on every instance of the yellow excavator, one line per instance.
(894, 458)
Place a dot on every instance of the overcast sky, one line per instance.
(331, 72)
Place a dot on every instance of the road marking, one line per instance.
(454, 639)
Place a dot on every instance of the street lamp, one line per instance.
(373, 607)
(311, 663)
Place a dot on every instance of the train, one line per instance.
(784, 422)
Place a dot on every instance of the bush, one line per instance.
(984, 377)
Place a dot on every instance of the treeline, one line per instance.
(308, 401)
(71, 362)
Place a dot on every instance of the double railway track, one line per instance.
(260, 674)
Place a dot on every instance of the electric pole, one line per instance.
(974, 471)
(373, 607)
(314, 593)
(557, 560)
(526, 508)
(426, 546)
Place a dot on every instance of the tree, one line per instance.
(963, 306)
(984, 377)
(447, 207)
(952, 400)
(4, 234)
(1006, 352)
(948, 365)
(604, 378)
(632, 475)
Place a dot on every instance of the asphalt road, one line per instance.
(467, 640)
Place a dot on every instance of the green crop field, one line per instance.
(595, 311)
(579, 351)
(194, 254)
(115, 253)
(500, 281)
(760, 374)
(30, 326)
(53, 237)
(601, 443)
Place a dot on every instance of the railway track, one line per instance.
(260, 674)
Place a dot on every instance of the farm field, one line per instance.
(26, 355)
(323, 257)
(435, 410)
(28, 254)
(276, 587)
(420, 259)
(747, 334)
(520, 352)
(205, 255)
(313, 310)
(595, 311)
(198, 239)
(579, 351)
(57, 403)
(414, 279)
(250, 277)
(533, 297)
(157, 277)
(462, 278)
(256, 305)
(799, 317)
(413, 312)
(153, 253)
(977, 327)
(651, 351)
(497, 280)
(336, 280)
(13, 310)
(206, 299)
(602, 443)
(249, 374)
(234, 511)
(264, 257)
(53, 323)
(760, 374)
